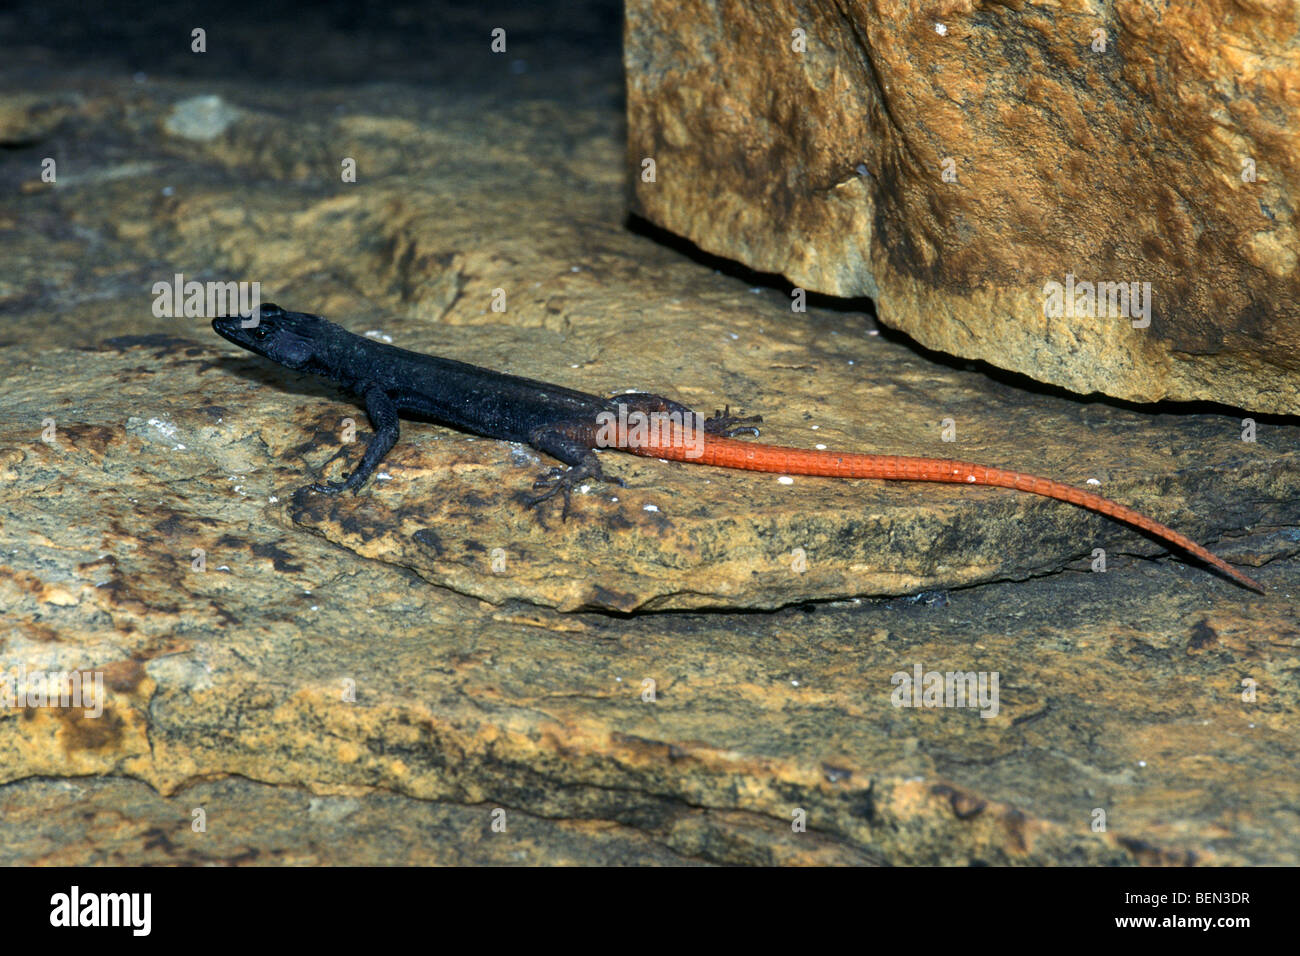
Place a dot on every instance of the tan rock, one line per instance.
(353, 680)
(952, 160)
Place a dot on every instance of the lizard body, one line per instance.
(568, 425)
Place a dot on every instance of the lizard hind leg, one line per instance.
(562, 481)
(726, 425)
(565, 445)
(722, 423)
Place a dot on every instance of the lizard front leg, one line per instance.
(383, 416)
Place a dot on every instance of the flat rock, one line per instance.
(382, 677)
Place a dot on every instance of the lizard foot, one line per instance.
(562, 481)
(336, 487)
(329, 487)
(726, 425)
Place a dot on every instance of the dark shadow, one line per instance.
(859, 307)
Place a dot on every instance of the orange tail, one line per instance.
(755, 456)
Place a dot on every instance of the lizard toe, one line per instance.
(329, 487)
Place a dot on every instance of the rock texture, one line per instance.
(952, 159)
(389, 677)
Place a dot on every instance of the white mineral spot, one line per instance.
(201, 118)
(164, 427)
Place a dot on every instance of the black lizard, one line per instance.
(568, 425)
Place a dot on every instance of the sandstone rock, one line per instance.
(354, 681)
(954, 160)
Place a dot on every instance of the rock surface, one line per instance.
(366, 681)
(952, 159)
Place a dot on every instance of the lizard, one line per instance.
(569, 425)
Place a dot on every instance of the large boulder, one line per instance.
(979, 169)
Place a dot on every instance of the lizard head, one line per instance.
(285, 337)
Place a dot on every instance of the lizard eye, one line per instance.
(264, 312)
